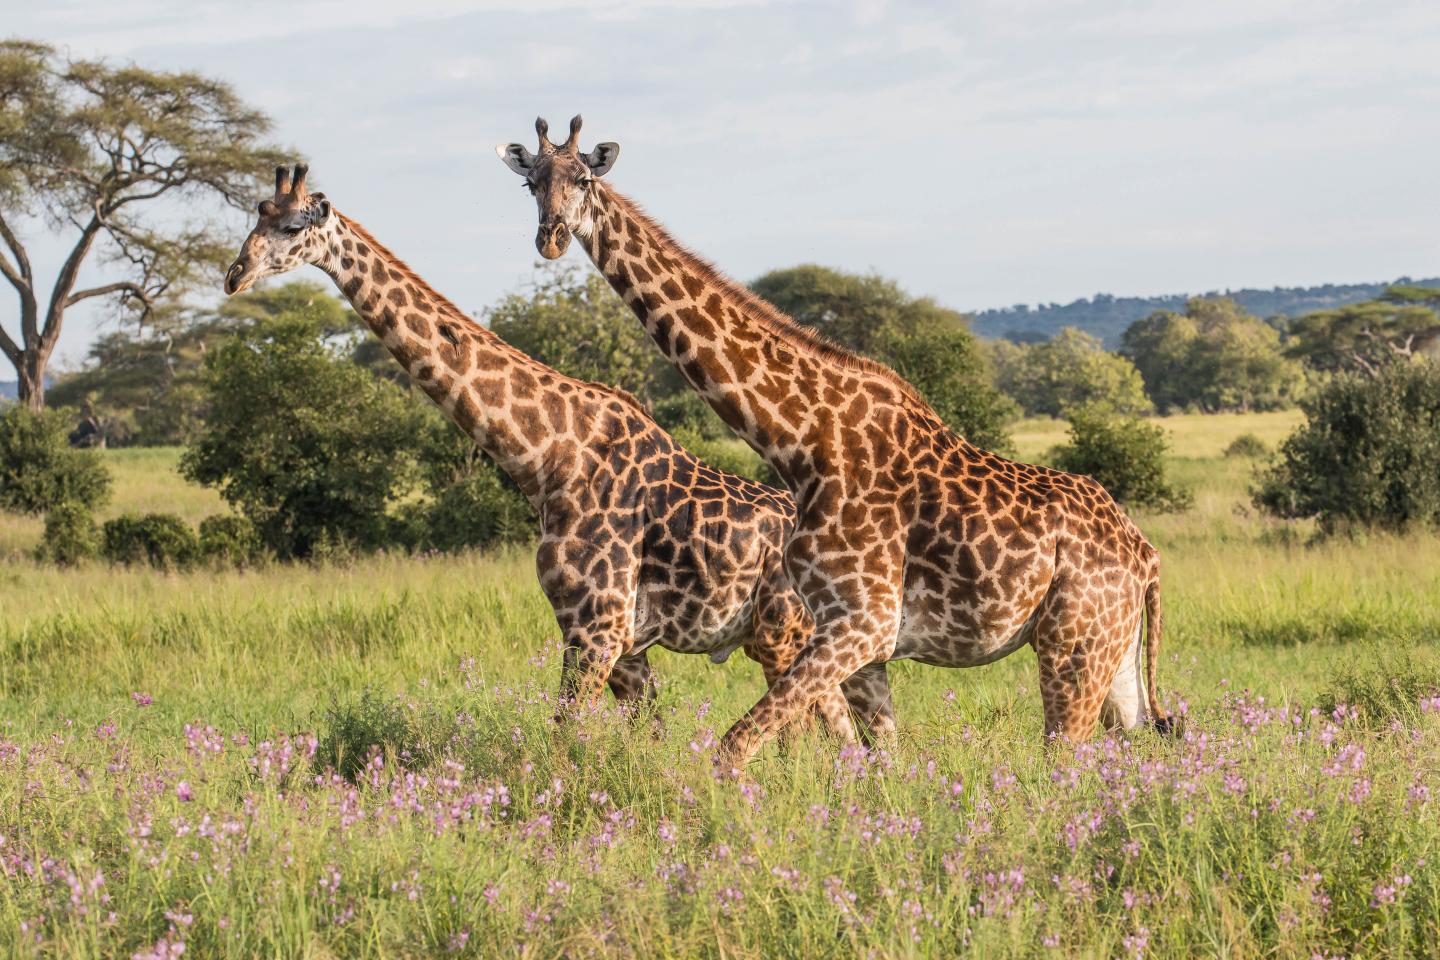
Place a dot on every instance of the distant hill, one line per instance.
(1107, 316)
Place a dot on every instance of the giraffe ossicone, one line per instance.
(641, 543)
(910, 542)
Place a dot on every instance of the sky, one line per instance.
(984, 153)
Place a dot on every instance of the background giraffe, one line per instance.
(641, 542)
(910, 542)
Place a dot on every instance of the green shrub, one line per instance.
(686, 412)
(306, 444)
(1368, 454)
(39, 470)
(352, 732)
(1248, 446)
(480, 510)
(230, 540)
(162, 540)
(1125, 454)
(70, 535)
(1385, 682)
(472, 502)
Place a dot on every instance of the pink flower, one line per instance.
(143, 700)
(182, 790)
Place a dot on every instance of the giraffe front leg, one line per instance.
(867, 694)
(836, 650)
(775, 645)
(588, 662)
(633, 683)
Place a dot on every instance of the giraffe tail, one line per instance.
(1164, 722)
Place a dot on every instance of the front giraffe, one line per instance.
(910, 542)
(641, 542)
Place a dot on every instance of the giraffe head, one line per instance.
(291, 231)
(560, 177)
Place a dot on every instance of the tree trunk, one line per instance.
(32, 379)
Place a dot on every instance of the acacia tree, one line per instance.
(88, 149)
(1366, 337)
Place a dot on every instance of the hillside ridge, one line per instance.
(1106, 316)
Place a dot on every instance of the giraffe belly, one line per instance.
(957, 649)
(716, 630)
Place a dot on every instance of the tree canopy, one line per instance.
(102, 154)
(1212, 357)
(1070, 370)
(1364, 337)
(141, 383)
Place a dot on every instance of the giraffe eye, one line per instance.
(292, 231)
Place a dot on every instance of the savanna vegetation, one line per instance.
(357, 759)
(276, 678)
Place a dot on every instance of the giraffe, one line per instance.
(910, 542)
(641, 543)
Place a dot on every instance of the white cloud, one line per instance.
(987, 152)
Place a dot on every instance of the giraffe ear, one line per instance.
(516, 157)
(602, 158)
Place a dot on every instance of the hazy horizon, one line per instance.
(985, 154)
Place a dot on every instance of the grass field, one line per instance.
(168, 748)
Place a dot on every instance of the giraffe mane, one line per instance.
(787, 328)
(405, 270)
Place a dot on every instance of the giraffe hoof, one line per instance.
(1170, 726)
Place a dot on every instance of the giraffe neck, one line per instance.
(495, 393)
(773, 381)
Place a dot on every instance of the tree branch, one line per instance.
(22, 260)
(65, 282)
(9, 348)
(134, 289)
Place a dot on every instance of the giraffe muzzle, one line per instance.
(552, 240)
(235, 277)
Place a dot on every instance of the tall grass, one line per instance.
(360, 761)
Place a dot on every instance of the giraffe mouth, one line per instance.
(552, 240)
(235, 279)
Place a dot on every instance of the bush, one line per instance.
(472, 504)
(1125, 454)
(353, 732)
(162, 540)
(1247, 445)
(481, 510)
(229, 540)
(70, 535)
(1367, 456)
(307, 445)
(1070, 370)
(1386, 683)
(39, 470)
(686, 412)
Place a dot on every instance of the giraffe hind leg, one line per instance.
(1126, 705)
(867, 694)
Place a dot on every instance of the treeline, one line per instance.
(288, 407)
(1107, 316)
